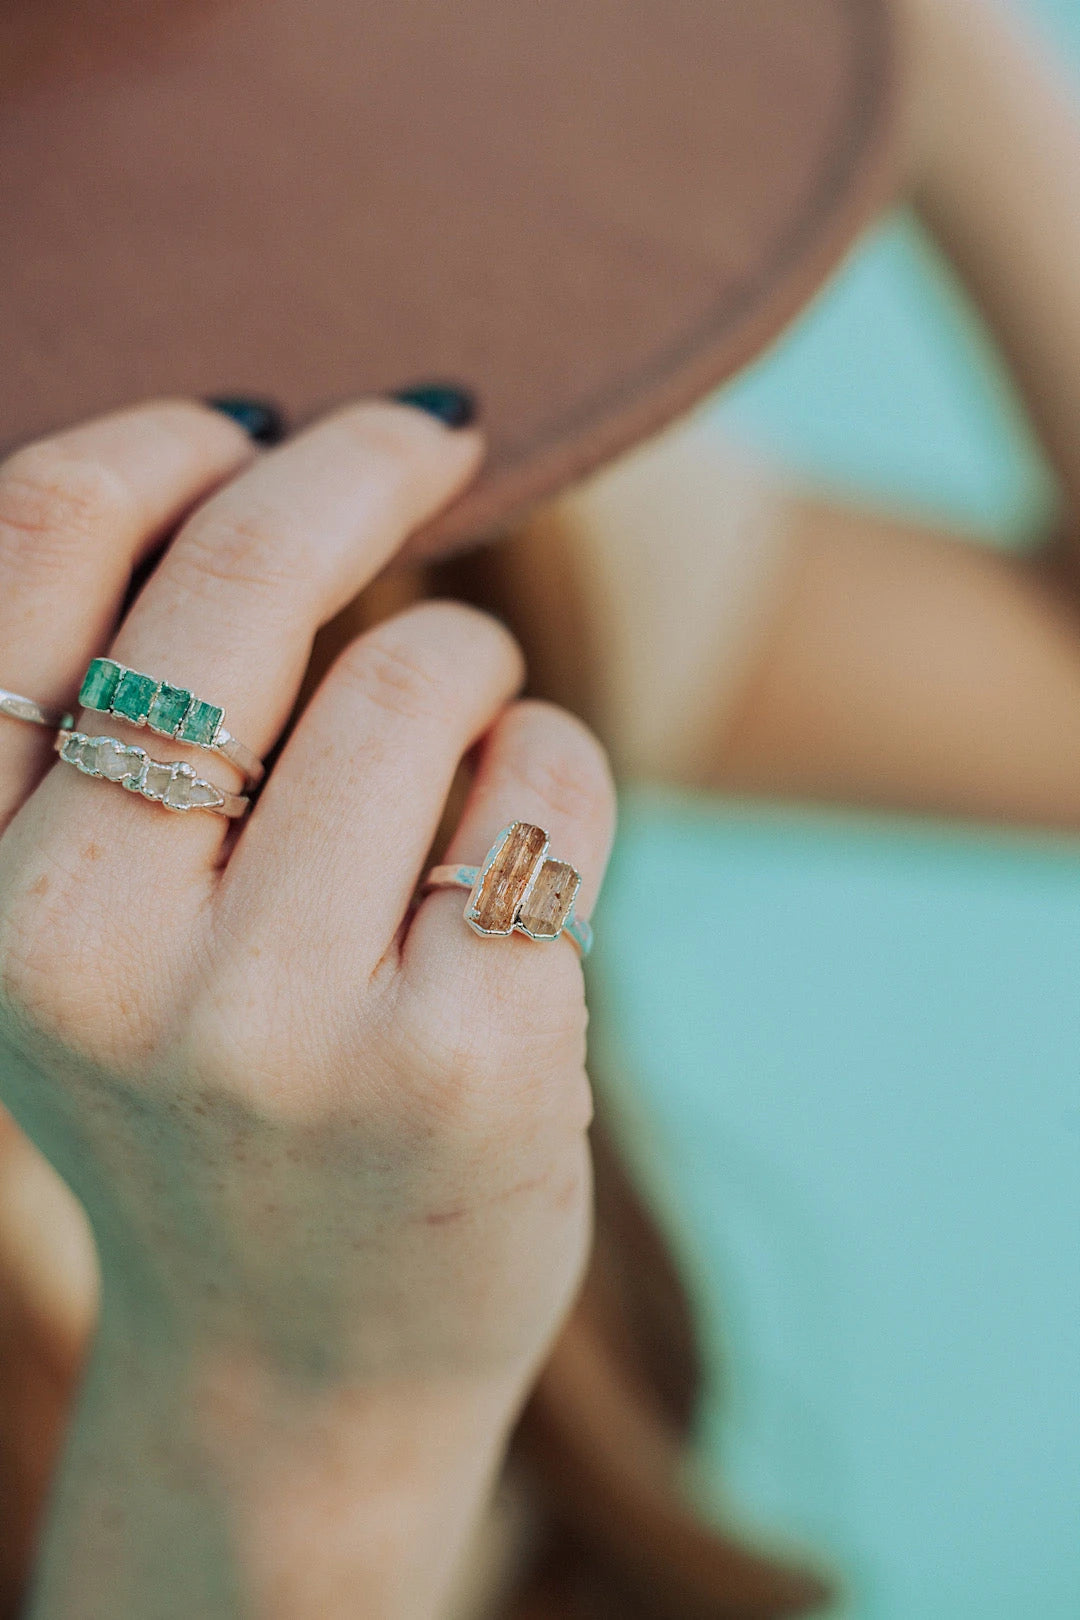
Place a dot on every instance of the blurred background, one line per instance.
(848, 1050)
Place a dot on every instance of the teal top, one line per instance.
(848, 1060)
(849, 1056)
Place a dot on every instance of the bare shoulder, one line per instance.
(668, 562)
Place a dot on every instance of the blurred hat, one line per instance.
(587, 212)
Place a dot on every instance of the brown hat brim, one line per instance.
(589, 212)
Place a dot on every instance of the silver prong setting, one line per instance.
(174, 784)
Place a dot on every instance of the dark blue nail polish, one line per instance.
(260, 420)
(454, 407)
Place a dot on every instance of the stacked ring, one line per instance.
(173, 784)
(518, 889)
(17, 707)
(171, 711)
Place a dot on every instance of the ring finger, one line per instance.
(541, 766)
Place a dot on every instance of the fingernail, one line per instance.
(260, 420)
(454, 407)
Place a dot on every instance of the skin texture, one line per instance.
(336, 1228)
(119, 1019)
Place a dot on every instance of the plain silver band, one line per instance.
(464, 877)
(225, 804)
(24, 708)
(241, 756)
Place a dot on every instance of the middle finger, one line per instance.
(232, 609)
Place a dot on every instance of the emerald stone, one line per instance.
(99, 684)
(133, 697)
(168, 709)
(201, 723)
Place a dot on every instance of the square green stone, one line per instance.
(201, 723)
(99, 684)
(168, 709)
(133, 696)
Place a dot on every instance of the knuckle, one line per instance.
(246, 548)
(457, 1030)
(62, 983)
(547, 1008)
(467, 632)
(571, 779)
(390, 674)
(501, 1039)
(53, 503)
(456, 1074)
(244, 1043)
(231, 1053)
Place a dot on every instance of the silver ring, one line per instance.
(171, 711)
(173, 784)
(24, 708)
(519, 889)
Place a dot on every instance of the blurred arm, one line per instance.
(996, 177)
(901, 668)
(893, 665)
(904, 669)
(735, 636)
(48, 1297)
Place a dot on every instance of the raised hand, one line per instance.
(332, 1148)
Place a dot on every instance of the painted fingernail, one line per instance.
(455, 407)
(260, 420)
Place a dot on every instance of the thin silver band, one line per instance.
(465, 877)
(173, 784)
(250, 765)
(17, 707)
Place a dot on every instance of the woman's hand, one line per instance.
(333, 1152)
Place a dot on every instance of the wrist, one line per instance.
(287, 1492)
(385, 1482)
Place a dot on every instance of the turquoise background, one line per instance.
(848, 1052)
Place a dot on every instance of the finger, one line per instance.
(231, 611)
(538, 765)
(77, 513)
(357, 795)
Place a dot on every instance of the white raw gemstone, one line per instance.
(114, 761)
(157, 780)
(178, 796)
(205, 793)
(74, 749)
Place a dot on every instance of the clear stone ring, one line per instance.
(175, 785)
(519, 889)
(171, 711)
(24, 708)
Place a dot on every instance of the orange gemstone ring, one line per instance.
(519, 889)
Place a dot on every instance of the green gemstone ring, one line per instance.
(171, 711)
